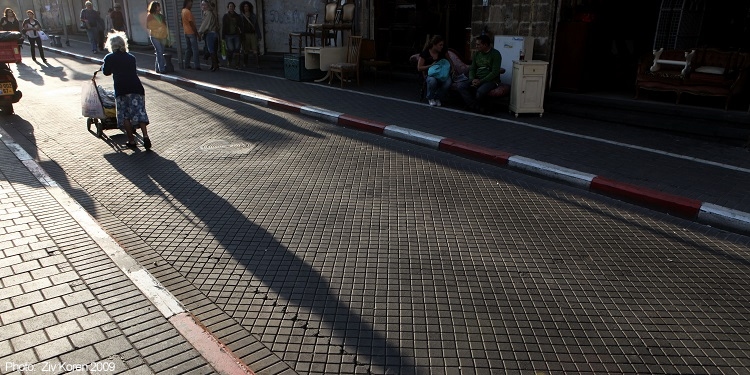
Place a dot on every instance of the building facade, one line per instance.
(591, 45)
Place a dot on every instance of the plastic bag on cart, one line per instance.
(108, 102)
(91, 105)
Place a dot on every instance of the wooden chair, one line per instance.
(328, 35)
(344, 69)
(347, 13)
(368, 58)
(346, 20)
(308, 35)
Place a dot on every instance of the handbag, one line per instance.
(43, 35)
(440, 70)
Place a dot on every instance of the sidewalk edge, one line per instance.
(211, 349)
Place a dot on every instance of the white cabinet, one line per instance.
(527, 87)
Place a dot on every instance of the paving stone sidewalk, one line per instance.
(64, 303)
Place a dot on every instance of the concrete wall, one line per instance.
(517, 17)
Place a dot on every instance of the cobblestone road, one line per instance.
(338, 251)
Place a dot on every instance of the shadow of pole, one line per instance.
(279, 269)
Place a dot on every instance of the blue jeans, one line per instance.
(436, 89)
(233, 45)
(192, 51)
(161, 63)
(211, 41)
(473, 96)
(93, 35)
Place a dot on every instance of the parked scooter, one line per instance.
(9, 52)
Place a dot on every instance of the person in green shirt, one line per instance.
(484, 74)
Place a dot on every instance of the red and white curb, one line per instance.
(691, 209)
(216, 354)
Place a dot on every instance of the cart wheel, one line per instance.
(99, 128)
(7, 109)
(89, 121)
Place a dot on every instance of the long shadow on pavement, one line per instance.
(290, 277)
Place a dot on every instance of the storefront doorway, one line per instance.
(599, 43)
(402, 26)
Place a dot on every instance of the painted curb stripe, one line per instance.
(376, 127)
(255, 99)
(213, 351)
(229, 94)
(556, 172)
(186, 83)
(205, 87)
(284, 105)
(722, 216)
(478, 152)
(321, 113)
(684, 207)
(217, 354)
(414, 136)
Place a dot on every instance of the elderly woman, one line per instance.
(159, 33)
(130, 97)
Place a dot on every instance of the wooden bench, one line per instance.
(459, 68)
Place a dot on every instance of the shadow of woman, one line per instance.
(277, 268)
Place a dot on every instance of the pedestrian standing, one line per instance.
(118, 19)
(92, 22)
(191, 36)
(108, 21)
(209, 29)
(130, 97)
(250, 33)
(10, 22)
(159, 34)
(31, 27)
(231, 33)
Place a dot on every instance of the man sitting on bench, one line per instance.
(484, 75)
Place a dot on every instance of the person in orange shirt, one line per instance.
(191, 36)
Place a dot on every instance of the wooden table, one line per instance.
(322, 58)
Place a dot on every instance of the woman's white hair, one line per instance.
(116, 41)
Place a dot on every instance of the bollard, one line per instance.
(169, 68)
(58, 41)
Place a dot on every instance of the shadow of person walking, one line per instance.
(291, 282)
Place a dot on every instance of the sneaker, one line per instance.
(431, 102)
(438, 103)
